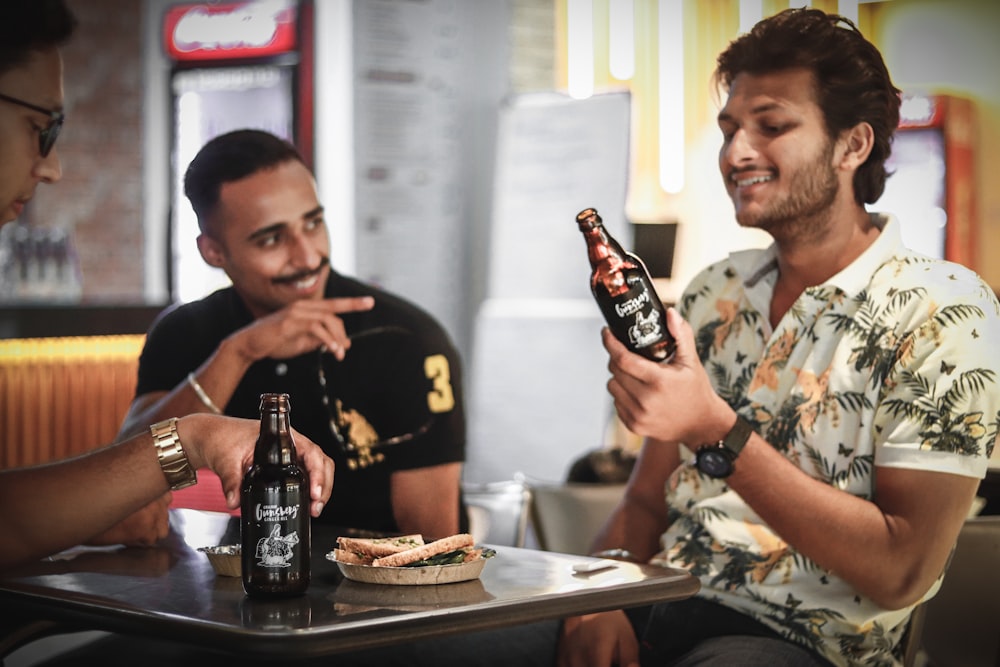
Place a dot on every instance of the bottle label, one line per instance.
(645, 330)
(276, 549)
(276, 512)
(633, 316)
(633, 305)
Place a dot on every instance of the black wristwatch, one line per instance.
(719, 459)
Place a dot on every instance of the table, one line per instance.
(171, 592)
(989, 488)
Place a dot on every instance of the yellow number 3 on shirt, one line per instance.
(440, 398)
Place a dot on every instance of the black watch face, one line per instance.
(714, 462)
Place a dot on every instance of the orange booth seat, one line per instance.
(61, 397)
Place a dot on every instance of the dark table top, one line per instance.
(171, 591)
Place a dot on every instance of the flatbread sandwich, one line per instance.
(408, 551)
(362, 551)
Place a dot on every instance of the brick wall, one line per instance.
(100, 197)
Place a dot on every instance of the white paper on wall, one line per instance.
(537, 391)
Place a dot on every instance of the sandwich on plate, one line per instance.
(408, 551)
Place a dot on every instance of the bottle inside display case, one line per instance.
(931, 185)
(38, 265)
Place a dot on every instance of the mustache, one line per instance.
(739, 171)
(302, 275)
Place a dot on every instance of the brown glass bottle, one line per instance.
(275, 524)
(624, 292)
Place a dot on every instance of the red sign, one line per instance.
(230, 30)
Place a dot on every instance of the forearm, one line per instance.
(905, 539)
(640, 519)
(75, 499)
(51, 507)
(631, 528)
(218, 377)
(431, 522)
(425, 500)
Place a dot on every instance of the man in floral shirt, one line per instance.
(862, 379)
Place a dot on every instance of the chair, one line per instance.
(961, 623)
(567, 516)
(60, 397)
(498, 512)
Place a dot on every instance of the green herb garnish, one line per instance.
(449, 558)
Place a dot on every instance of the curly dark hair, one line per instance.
(230, 157)
(852, 81)
(32, 25)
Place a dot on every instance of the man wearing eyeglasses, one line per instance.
(51, 507)
(31, 98)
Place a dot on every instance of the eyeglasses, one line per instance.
(47, 135)
(377, 396)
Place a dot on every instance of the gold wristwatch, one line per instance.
(173, 461)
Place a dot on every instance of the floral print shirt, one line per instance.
(892, 362)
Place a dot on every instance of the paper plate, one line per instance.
(353, 597)
(411, 576)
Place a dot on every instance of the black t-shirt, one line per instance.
(405, 378)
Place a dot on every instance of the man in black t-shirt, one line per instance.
(372, 378)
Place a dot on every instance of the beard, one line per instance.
(801, 214)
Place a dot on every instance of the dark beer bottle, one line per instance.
(624, 292)
(275, 523)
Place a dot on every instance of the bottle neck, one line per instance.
(600, 245)
(274, 445)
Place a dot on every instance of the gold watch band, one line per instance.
(173, 461)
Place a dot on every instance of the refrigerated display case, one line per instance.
(932, 177)
(233, 65)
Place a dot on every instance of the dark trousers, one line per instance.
(696, 632)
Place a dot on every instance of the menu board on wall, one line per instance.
(537, 383)
(410, 102)
(556, 157)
